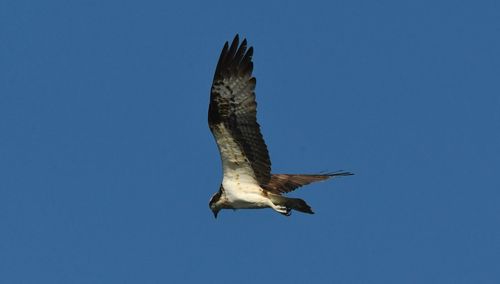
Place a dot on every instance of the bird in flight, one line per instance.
(232, 117)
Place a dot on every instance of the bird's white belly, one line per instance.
(241, 189)
(244, 195)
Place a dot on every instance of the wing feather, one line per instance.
(284, 183)
(233, 113)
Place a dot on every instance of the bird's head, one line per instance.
(215, 202)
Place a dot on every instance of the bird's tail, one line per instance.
(284, 183)
(290, 203)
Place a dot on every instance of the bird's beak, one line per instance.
(215, 213)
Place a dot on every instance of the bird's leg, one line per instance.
(282, 209)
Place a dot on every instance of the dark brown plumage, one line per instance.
(232, 118)
(284, 183)
(232, 102)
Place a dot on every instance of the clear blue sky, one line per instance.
(107, 163)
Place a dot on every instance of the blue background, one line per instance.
(107, 163)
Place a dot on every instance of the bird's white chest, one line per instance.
(241, 189)
(244, 195)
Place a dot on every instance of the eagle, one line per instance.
(232, 117)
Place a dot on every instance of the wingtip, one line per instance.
(236, 40)
(340, 173)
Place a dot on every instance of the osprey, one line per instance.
(247, 182)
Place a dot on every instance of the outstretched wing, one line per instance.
(232, 115)
(283, 183)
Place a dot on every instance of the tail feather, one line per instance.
(291, 203)
(299, 205)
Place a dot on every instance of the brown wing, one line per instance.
(283, 183)
(233, 112)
